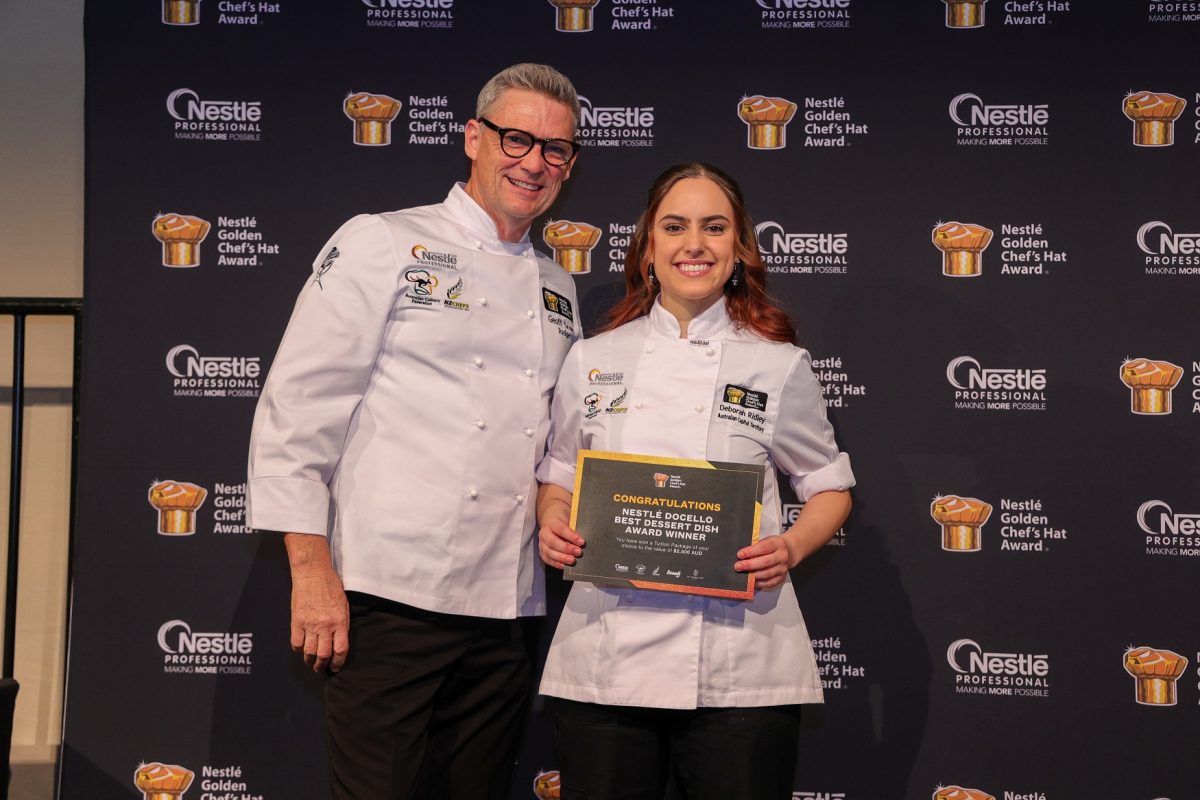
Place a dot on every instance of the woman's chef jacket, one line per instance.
(409, 404)
(666, 396)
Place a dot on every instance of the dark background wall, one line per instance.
(1000, 669)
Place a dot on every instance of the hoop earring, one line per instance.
(650, 276)
(736, 278)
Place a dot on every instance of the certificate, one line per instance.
(670, 524)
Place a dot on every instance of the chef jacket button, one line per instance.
(699, 408)
(478, 244)
(520, 498)
(528, 373)
(708, 351)
(528, 432)
(471, 493)
(638, 404)
(529, 313)
(649, 348)
(483, 301)
(480, 424)
(477, 361)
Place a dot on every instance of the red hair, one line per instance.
(748, 304)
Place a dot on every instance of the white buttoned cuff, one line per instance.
(287, 504)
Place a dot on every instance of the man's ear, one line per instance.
(471, 138)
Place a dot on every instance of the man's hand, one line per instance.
(320, 612)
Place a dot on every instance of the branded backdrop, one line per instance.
(982, 216)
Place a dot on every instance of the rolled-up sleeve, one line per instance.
(318, 379)
(566, 425)
(804, 445)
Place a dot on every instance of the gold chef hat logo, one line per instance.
(1150, 384)
(372, 115)
(962, 245)
(766, 120)
(547, 785)
(960, 793)
(572, 243)
(964, 13)
(1153, 115)
(961, 519)
(660, 479)
(176, 503)
(181, 12)
(573, 16)
(1155, 673)
(162, 781)
(734, 395)
(181, 236)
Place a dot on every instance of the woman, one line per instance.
(644, 677)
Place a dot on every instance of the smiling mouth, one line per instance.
(531, 187)
(693, 269)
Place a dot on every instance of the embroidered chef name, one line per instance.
(666, 524)
(743, 406)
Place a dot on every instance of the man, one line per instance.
(395, 445)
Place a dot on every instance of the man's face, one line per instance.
(514, 191)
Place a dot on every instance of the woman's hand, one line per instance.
(558, 544)
(769, 560)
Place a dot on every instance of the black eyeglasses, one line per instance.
(517, 143)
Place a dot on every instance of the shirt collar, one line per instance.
(463, 208)
(712, 323)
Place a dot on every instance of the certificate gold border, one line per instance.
(605, 455)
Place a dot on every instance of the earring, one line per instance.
(736, 278)
(650, 276)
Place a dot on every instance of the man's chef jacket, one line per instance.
(662, 395)
(408, 406)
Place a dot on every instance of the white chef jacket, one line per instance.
(658, 649)
(408, 406)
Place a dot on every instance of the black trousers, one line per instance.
(629, 753)
(427, 705)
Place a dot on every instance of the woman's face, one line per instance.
(692, 241)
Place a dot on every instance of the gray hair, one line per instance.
(540, 78)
